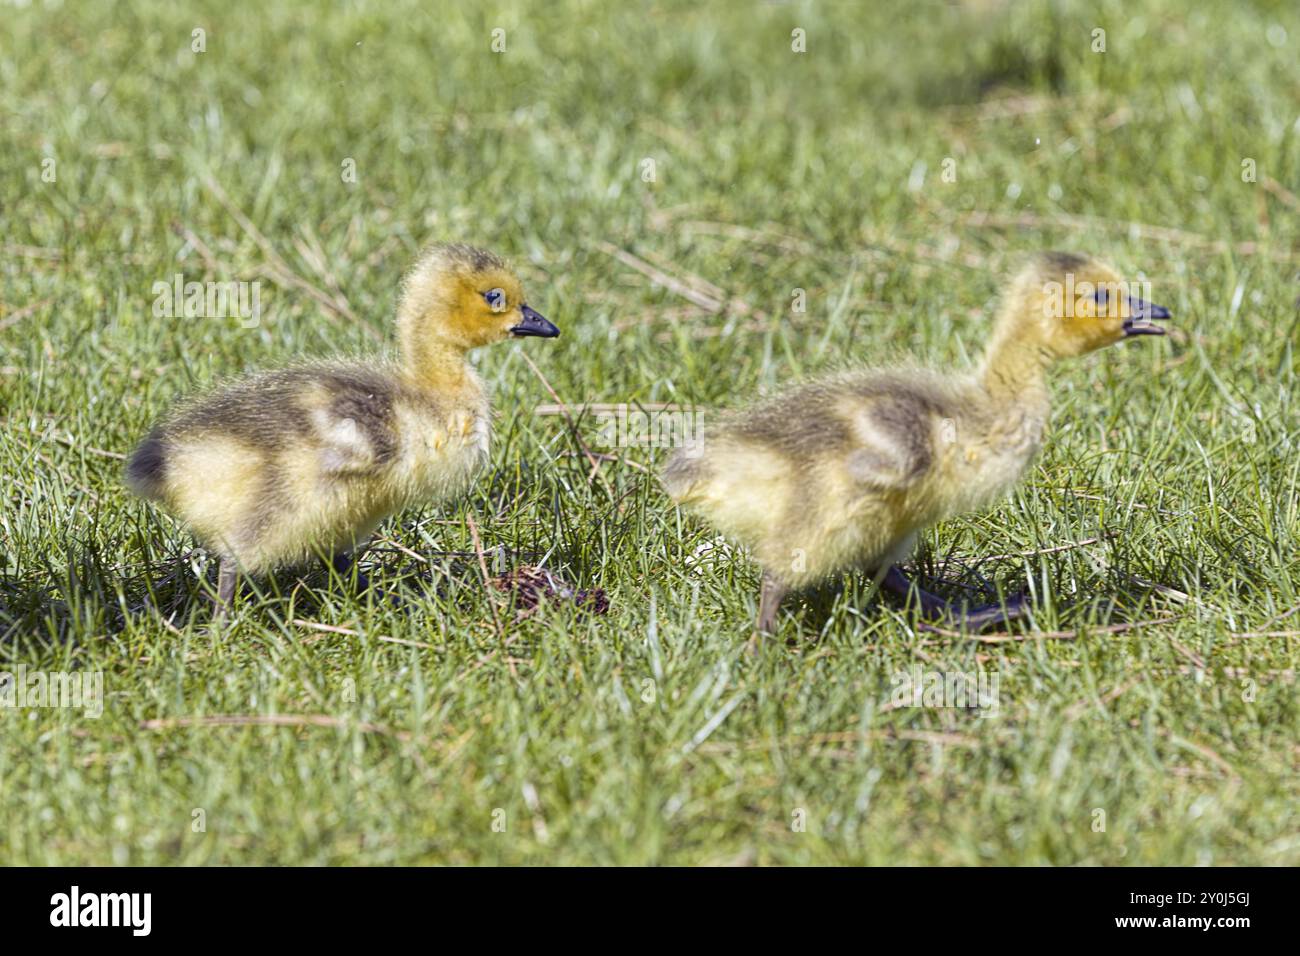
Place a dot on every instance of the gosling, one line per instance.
(275, 467)
(843, 473)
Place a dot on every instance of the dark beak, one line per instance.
(1141, 315)
(534, 323)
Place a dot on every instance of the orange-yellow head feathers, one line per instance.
(1064, 305)
(457, 298)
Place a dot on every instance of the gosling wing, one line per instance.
(353, 420)
(889, 442)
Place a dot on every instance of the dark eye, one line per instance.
(1101, 296)
(496, 299)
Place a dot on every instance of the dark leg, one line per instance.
(345, 565)
(978, 618)
(896, 582)
(227, 579)
(971, 619)
(770, 593)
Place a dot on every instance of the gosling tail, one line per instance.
(146, 470)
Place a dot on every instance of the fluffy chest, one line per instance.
(989, 454)
(442, 451)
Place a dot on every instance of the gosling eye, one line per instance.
(496, 299)
(1101, 297)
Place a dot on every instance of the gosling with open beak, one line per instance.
(1141, 314)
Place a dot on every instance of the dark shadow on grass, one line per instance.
(1120, 600)
(43, 606)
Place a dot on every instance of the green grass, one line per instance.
(648, 735)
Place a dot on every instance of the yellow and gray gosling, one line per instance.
(274, 467)
(843, 473)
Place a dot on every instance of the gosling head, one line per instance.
(460, 297)
(1068, 305)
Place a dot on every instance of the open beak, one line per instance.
(534, 323)
(1141, 316)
